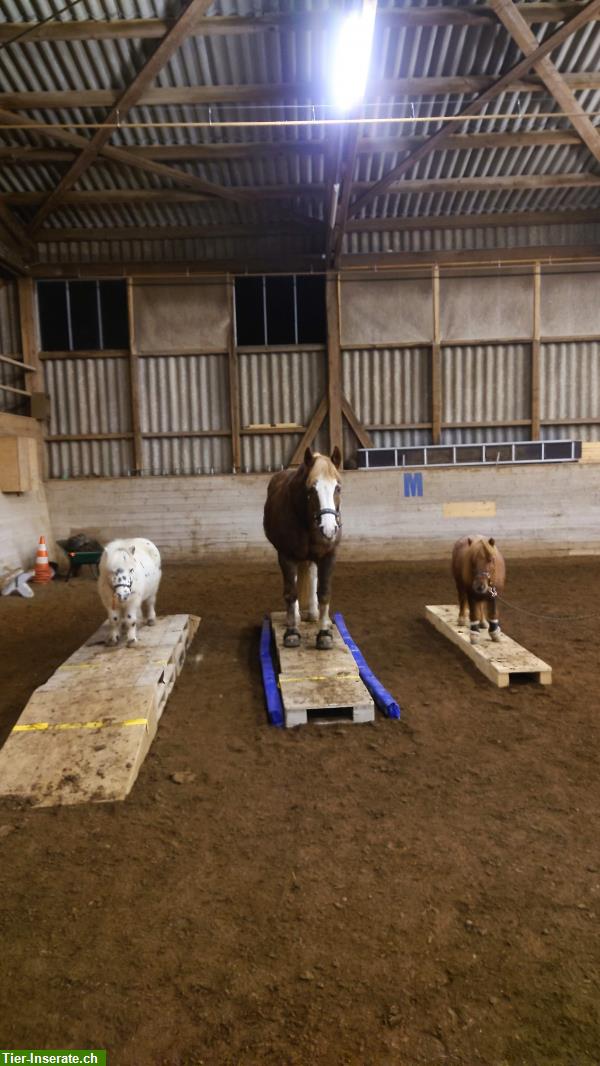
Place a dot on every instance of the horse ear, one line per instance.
(469, 541)
(308, 458)
(336, 457)
(491, 542)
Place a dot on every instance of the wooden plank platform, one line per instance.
(85, 733)
(320, 686)
(501, 662)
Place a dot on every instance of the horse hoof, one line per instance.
(475, 637)
(111, 641)
(132, 642)
(291, 638)
(496, 635)
(462, 621)
(324, 640)
(151, 622)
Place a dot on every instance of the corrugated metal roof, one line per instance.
(295, 57)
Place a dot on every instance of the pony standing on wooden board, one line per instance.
(479, 572)
(129, 578)
(303, 523)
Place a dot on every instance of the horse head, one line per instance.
(323, 490)
(120, 571)
(483, 565)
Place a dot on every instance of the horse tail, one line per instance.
(304, 585)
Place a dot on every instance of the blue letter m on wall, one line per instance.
(413, 484)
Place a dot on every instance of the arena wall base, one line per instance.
(320, 686)
(85, 733)
(501, 662)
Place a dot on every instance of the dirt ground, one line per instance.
(391, 894)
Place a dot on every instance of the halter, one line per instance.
(327, 510)
(493, 591)
(121, 586)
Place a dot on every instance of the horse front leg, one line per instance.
(324, 570)
(113, 626)
(291, 637)
(495, 631)
(474, 619)
(131, 612)
(149, 610)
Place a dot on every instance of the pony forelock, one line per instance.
(322, 467)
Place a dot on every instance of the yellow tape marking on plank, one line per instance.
(36, 727)
(329, 677)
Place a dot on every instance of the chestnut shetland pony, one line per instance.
(479, 572)
(303, 523)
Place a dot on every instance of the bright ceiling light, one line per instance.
(353, 56)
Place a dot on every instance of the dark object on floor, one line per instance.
(81, 551)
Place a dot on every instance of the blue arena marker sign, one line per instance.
(413, 484)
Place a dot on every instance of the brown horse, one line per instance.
(303, 522)
(479, 572)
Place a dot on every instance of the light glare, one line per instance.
(353, 56)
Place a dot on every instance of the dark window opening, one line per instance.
(280, 310)
(249, 311)
(82, 315)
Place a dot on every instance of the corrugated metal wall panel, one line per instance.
(187, 455)
(473, 435)
(469, 239)
(570, 387)
(90, 459)
(278, 387)
(486, 383)
(185, 393)
(89, 396)
(388, 385)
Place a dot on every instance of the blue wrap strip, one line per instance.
(272, 694)
(382, 697)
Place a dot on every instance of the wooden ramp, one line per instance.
(321, 686)
(501, 662)
(85, 733)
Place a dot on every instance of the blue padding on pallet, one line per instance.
(272, 694)
(384, 701)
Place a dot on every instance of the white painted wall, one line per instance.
(24, 517)
(552, 509)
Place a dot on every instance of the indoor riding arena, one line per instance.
(299, 532)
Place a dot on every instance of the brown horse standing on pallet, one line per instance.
(479, 572)
(303, 522)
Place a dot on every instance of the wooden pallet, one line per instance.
(501, 662)
(85, 733)
(320, 686)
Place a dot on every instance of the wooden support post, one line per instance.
(356, 425)
(30, 350)
(134, 378)
(436, 362)
(234, 382)
(536, 352)
(334, 363)
(310, 432)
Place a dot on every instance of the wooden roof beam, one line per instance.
(476, 106)
(136, 155)
(126, 100)
(210, 25)
(556, 83)
(199, 95)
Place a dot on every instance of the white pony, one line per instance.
(128, 582)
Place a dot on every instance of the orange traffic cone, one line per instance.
(43, 571)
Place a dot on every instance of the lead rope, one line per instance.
(548, 617)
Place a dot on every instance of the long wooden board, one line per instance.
(85, 733)
(501, 661)
(322, 686)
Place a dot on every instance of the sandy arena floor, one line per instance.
(380, 895)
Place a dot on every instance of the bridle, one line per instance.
(327, 510)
